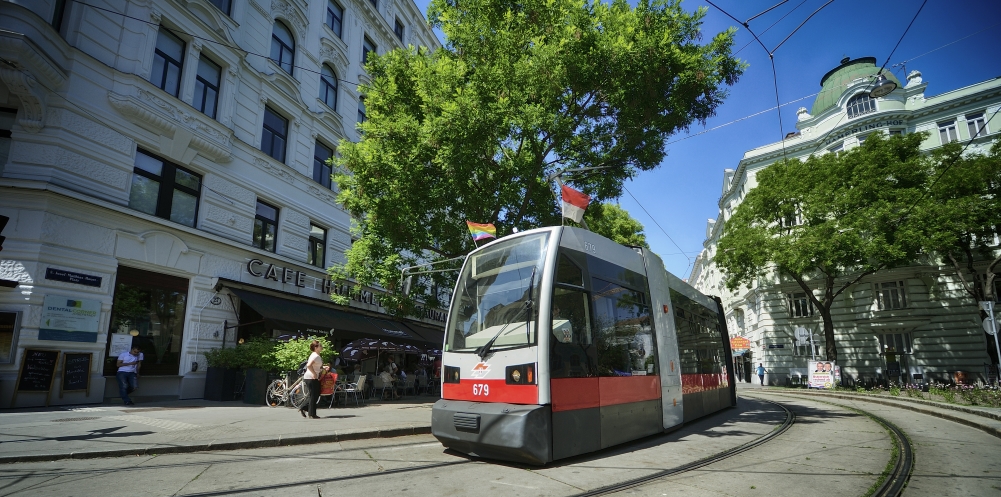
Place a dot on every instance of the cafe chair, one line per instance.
(352, 389)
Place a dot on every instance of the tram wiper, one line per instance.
(484, 350)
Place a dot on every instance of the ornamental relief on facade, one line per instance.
(84, 167)
(333, 52)
(282, 9)
(275, 170)
(322, 195)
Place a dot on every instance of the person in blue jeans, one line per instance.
(128, 373)
(761, 373)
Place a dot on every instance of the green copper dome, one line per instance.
(833, 84)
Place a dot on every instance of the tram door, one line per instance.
(572, 366)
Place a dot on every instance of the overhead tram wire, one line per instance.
(682, 251)
(820, 142)
(771, 26)
(902, 64)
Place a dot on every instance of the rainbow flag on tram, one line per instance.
(481, 231)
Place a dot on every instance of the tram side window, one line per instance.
(571, 353)
(700, 340)
(623, 331)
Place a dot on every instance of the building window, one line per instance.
(317, 240)
(282, 47)
(164, 190)
(361, 110)
(800, 305)
(151, 305)
(207, 87)
(861, 139)
(890, 295)
(275, 134)
(167, 61)
(9, 323)
(975, 123)
(223, 5)
(398, 29)
(366, 46)
(837, 148)
(896, 132)
(335, 16)
(265, 226)
(894, 343)
(947, 132)
(792, 219)
(321, 164)
(861, 104)
(328, 87)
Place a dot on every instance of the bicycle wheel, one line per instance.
(298, 397)
(276, 393)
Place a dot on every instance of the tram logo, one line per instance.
(480, 370)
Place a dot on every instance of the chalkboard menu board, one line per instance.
(76, 372)
(38, 369)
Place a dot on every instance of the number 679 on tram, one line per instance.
(561, 342)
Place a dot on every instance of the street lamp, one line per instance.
(883, 87)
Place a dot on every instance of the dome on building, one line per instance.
(833, 83)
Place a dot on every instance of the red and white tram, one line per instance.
(560, 342)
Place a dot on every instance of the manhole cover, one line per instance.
(60, 420)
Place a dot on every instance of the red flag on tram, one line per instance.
(574, 203)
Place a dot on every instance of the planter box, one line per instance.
(256, 387)
(221, 383)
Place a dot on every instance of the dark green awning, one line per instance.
(295, 315)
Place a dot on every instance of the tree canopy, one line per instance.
(613, 222)
(520, 90)
(829, 221)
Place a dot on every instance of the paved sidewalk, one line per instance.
(106, 430)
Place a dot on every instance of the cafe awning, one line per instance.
(296, 315)
(432, 336)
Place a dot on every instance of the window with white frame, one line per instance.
(860, 104)
(164, 190)
(890, 295)
(398, 29)
(282, 46)
(328, 87)
(837, 148)
(800, 305)
(321, 164)
(274, 135)
(794, 218)
(207, 87)
(896, 132)
(812, 345)
(335, 16)
(947, 132)
(317, 242)
(976, 124)
(223, 5)
(367, 46)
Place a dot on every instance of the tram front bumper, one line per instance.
(509, 432)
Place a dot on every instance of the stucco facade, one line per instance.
(915, 318)
(83, 101)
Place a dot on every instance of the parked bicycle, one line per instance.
(281, 392)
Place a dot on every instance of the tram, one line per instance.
(561, 342)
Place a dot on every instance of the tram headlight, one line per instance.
(451, 374)
(522, 374)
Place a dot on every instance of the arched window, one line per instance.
(860, 104)
(328, 87)
(282, 47)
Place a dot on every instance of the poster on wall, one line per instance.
(822, 374)
(120, 344)
(69, 320)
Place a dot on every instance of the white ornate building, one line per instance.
(162, 163)
(916, 320)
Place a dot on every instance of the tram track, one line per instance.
(643, 480)
(895, 480)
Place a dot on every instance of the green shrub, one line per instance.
(289, 355)
(895, 391)
(257, 353)
(222, 358)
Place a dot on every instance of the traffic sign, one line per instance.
(987, 327)
(986, 305)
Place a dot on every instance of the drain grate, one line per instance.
(87, 418)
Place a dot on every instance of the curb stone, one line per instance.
(213, 445)
(995, 431)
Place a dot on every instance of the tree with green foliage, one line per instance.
(519, 91)
(963, 216)
(613, 222)
(829, 221)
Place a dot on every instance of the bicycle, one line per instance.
(280, 392)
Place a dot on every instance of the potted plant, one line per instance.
(222, 374)
(256, 357)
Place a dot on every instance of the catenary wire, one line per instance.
(659, 226)
(763, 12)
(771, 26)
(905, 61)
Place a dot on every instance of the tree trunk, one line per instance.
(830, 346)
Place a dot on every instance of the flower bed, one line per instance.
(964, 395)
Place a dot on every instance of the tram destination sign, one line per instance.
(845, 133)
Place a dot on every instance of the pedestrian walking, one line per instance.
(761, 373)
(128, 373)
(312, 379)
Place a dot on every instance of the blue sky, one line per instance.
(683, 192)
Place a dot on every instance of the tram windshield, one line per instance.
(490, 308)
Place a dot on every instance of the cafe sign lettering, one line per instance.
(261, 269)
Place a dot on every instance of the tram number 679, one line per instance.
(481, 389)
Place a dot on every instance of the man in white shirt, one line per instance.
(128, 373)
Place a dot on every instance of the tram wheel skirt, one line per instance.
(508, 432)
